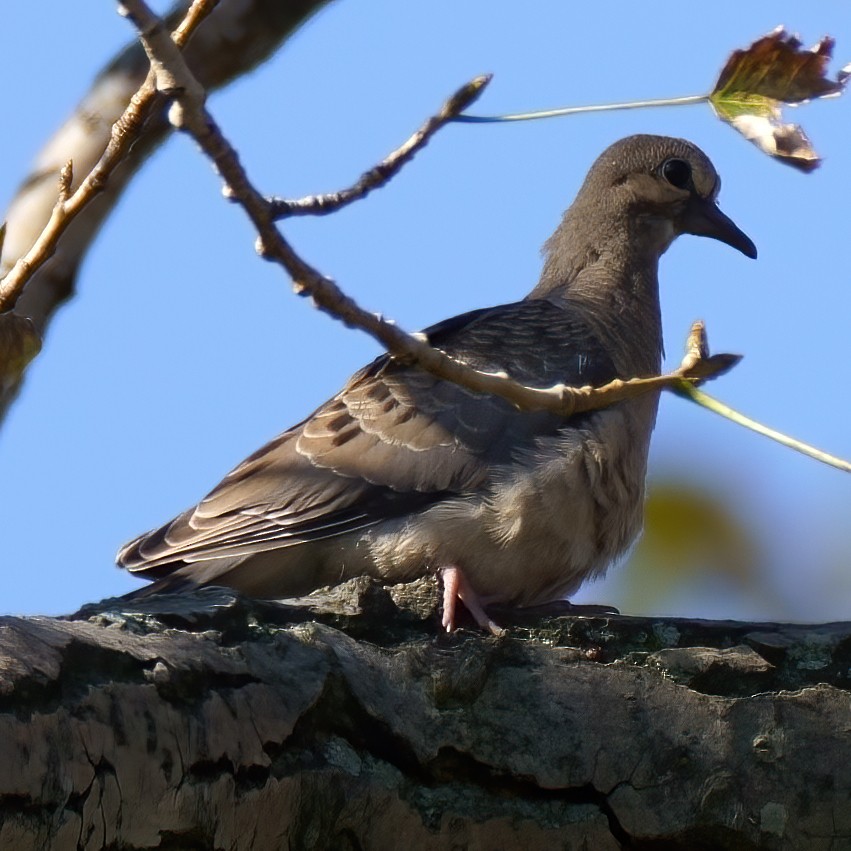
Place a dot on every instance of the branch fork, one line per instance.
(175, 78)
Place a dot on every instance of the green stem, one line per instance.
(689, 391)
(574, 110)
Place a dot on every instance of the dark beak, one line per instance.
(703, 218)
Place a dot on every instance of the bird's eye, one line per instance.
(677, 172)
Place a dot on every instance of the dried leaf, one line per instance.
(19, 344)
(758, 81)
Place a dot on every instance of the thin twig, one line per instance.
(376, 177)
(687, 390)
(124, 133)
(578, 110)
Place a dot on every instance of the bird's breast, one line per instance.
(559, 513)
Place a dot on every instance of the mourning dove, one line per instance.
(403, 474)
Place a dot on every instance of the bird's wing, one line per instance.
(395, 439)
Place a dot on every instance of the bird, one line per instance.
(402, 474)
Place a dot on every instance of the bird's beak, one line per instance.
(703, 218)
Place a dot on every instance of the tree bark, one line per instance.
(347, 721)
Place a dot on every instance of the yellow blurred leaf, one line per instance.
(691, 537)
(757, 82)
(686, 526)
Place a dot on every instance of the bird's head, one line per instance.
(665, 187)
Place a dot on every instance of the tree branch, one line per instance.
(377, 176)
(342, 721)
(189, 114)
(236, 37)
(123, 134)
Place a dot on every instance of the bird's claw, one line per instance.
(456, 587)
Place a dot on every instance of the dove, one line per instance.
(402, 474)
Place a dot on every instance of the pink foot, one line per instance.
(456, 587)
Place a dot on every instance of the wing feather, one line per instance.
(392, 441)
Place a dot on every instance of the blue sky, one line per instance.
(183, 352)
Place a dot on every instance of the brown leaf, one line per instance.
(19, 344)
(756, 83)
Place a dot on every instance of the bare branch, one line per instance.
(236, 37)
(190, 115)
(124, 133)
(377, 176)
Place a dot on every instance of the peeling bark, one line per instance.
(346, 721)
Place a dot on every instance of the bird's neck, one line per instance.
(611, 275)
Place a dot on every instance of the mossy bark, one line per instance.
(349, 721)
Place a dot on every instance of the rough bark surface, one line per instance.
(349, 722)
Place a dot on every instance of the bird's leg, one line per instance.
(456, 587)
(450, 576)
